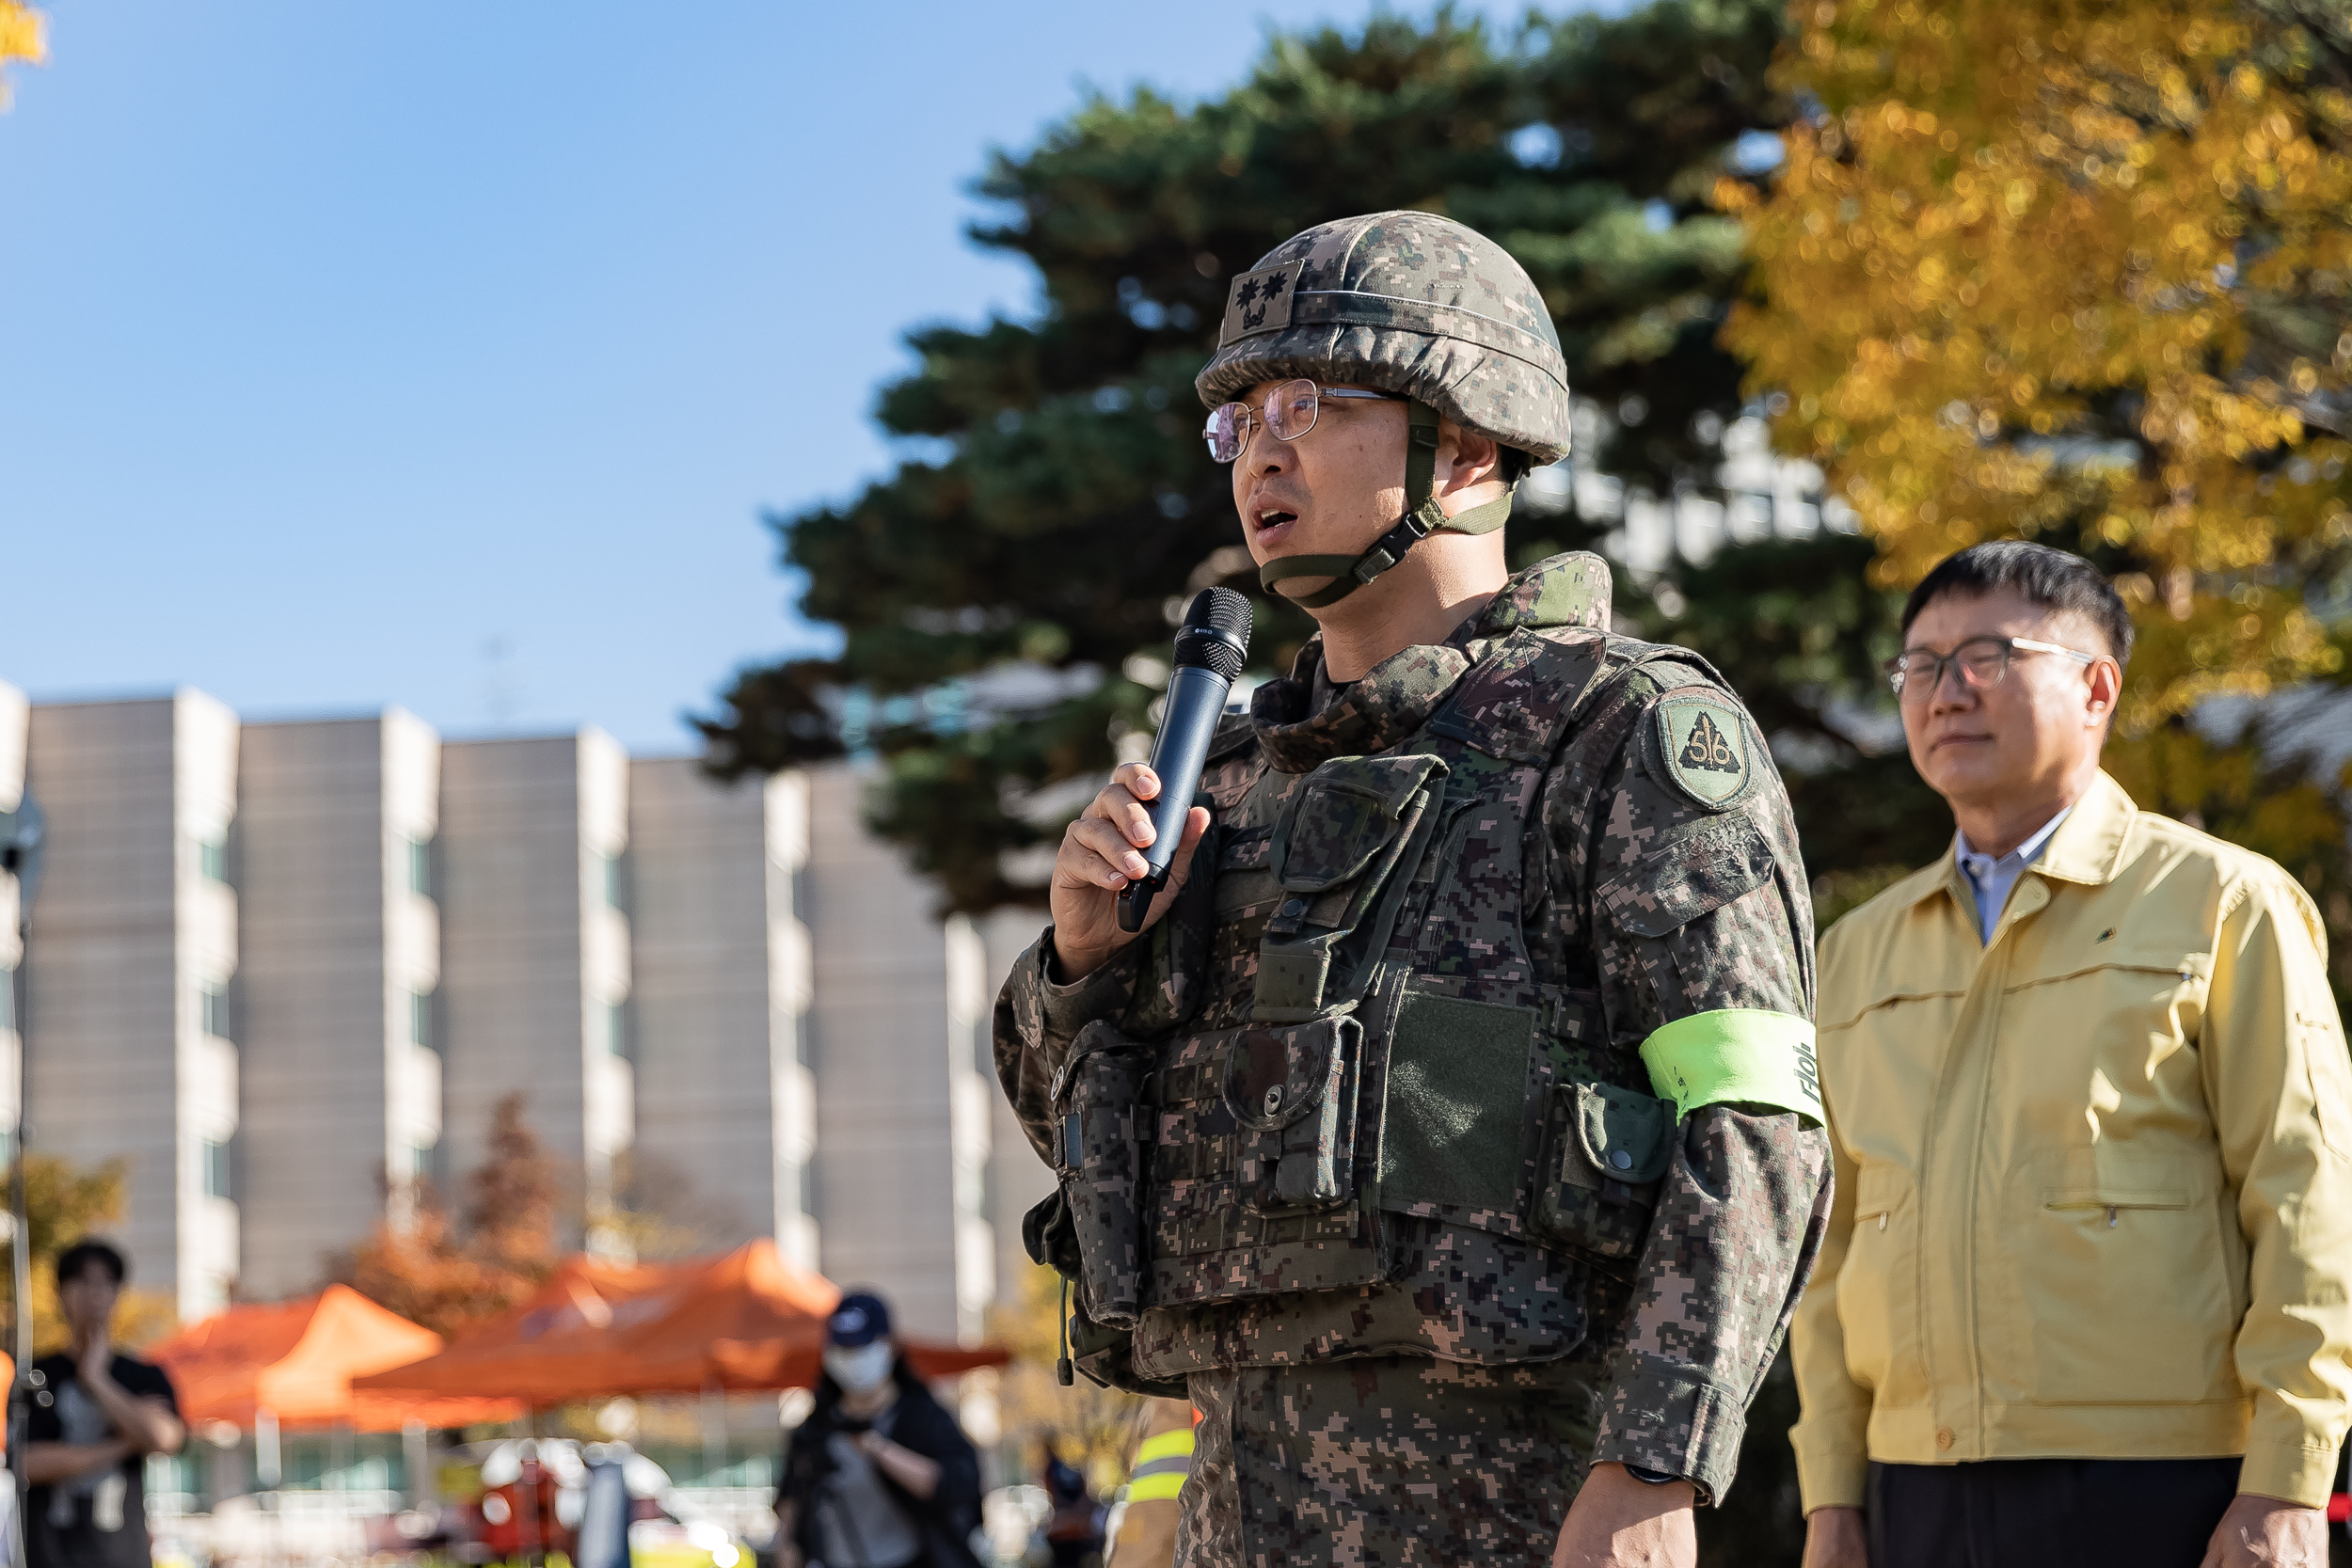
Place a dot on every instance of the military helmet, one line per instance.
(1417, 306)
(1409, 303)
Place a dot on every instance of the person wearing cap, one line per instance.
(878, 1475)
(1448, 1137)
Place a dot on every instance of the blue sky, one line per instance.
(446, 355)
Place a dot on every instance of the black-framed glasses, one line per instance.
(1982, 662)
(1290, 412)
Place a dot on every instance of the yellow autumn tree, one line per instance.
(63, 1204)
(21, 35)
(2080, 271)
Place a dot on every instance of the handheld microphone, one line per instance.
(1210, 648)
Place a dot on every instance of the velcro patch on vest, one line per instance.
(1701, 746)
(1261, 301)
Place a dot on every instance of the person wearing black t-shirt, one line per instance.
(96, 1416)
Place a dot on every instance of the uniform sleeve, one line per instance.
(1832, 1434)
(1037, 1018)
(2280, 1086)
(1696, 909)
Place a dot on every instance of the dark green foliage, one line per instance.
(1062, 497)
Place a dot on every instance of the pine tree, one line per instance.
(1057, 499)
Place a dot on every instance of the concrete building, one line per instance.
(280, 968)
(727, 1106)
(15, 715)
(341, 947)
(535, 965)
(131, 970)
(898, 1030)
(1017, 1179)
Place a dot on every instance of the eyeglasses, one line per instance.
(1289, 413)
(1982, 662)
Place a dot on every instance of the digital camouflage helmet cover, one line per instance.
(1408, 303)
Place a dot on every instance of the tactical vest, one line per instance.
(1407, 1101)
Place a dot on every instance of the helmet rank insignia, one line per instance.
(1261, 301)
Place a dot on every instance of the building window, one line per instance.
(609, 879)
(612, 1027)
(420, 1019)
(212, 858)
(215, 1168)
(420, 1162)
(212, 1007)
(420, 867)
(7, 999)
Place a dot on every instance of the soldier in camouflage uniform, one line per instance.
(1450, 1135)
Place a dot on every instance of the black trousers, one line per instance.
(2062, 1512)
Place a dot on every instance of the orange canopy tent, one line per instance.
(746, 1320)
(296, 1360)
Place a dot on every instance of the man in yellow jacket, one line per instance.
(2084, 1295)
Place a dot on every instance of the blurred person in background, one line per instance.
(2084, 1296)
(1146, 1537)
(1073, 1532)
(96, 1416)
(878, 1476)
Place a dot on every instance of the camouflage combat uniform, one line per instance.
(1359, 1145)
(1453, 1398)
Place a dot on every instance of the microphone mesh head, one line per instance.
(1220, 609)
(1216, 633)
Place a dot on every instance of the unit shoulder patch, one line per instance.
(1700, 744)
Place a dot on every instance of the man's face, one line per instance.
(88, 1299)
(1331, 492)
(2042, 722)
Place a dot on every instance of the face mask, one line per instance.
(861, 1371)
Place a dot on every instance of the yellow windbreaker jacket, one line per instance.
(2094, 1179)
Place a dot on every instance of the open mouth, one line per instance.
(1271, 519)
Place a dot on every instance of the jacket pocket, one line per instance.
(1100, 1163)
(1878, 1298)
(1343, 850)
(2118, 1289)
(1606, 1149)
(1292, 1092)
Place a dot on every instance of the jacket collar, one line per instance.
(2087, 848)
(1401, 694)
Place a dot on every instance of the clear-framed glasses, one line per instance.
(1290, 412)
(1982, 663)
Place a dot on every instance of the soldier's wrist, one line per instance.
(1064, 967)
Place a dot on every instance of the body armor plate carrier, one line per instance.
(1402, 1071)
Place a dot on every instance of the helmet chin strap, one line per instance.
(1423, 517)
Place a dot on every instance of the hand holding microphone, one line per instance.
(1122, 861)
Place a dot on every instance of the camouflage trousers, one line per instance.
(1385, 1462)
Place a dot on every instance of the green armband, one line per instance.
(1739, 1055)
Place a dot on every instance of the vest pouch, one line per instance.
(1336, 853)
(1105, 1358)
(1606, 1151)
(1100, 1160)
(1258, 1182)
(1292, 1092)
